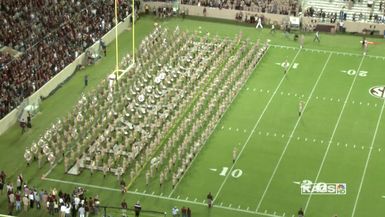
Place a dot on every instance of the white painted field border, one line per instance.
(216, 125)
(255, 126)
(334, 131)
(159, 197)
(292, 133)
(328, 51)
(368, 159)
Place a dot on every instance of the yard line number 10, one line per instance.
(235, 173)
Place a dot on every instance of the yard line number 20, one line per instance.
(353, 72)
(235, 173)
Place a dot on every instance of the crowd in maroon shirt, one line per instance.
(50, 34)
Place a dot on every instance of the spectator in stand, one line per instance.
(50, 37)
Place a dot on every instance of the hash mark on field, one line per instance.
(221, 204)
(230, 205)
(239, 206)
(267, 133)
(178, 197)
(229, 128)
(254, 89)
(153, 193)
(195, 200)
(136, 190)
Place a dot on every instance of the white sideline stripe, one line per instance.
(367, 160)
(1, 215)
(191, 163)
(334, 131)
(292, 132)
(255, 126)
(157, 196)
(329, 51)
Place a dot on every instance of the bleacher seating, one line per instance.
(363, 11)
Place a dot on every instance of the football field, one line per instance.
(312, 137)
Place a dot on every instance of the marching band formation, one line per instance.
(158, 116)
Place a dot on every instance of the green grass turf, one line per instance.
(259, 122)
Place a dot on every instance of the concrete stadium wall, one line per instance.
(12, 117)
(229, 14)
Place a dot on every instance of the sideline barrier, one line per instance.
(12, 117)
(229, 14)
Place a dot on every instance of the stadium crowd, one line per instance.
(287, 7)
(55, 202)
(50, 34)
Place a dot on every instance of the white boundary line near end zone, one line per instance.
(334, 131)
(158, 197)
(327, 51)
(367, 160)
(218, 122)
(255, 126)
(292, 133)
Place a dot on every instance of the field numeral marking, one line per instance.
(353, 72)
(235, 173)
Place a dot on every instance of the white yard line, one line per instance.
(292, 133)
(334, 131)
(160, 197)
(367, 160)
(327, 51)
(216, 125)
(255, 126)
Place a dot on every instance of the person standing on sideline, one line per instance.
(285, 66)
(175, 212)
(29, 124)
(316, 37)
(300, 213)
(301, 107)
(272, 30)
(124, 208)
(85, 80)
(235, 153)
(103, 47)
(365, 47)
(301, 40)
(210, 200)
(259, 23)
(188, 212)
(184, 212)
(137, 209)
